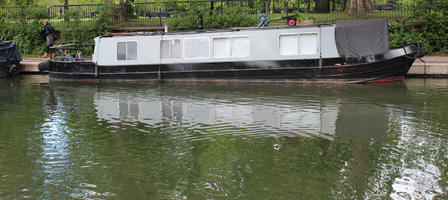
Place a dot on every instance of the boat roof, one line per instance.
(212, 30)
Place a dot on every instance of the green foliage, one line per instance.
(27, 36)
(23, 14)
(72, 15)
(17, 2)
(24, 26)
(27, 30)
(400, 32)
(427, 25)
(61, 2)
(187, 22)
(84, 34)
(230, 17)
(434, 24)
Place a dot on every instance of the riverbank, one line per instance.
(30, 65)
(432, 67)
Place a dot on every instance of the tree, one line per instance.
(66, 10)
(267, 6)
(333, 4)
(322, 6)
(17, 2)
(435, 27)
(359, 7)
(121, 10)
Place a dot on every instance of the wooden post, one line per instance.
(320, 48)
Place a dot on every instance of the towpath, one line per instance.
(29, 65)
(433, 66)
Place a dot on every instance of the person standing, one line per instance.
(49, 36)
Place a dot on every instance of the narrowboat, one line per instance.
(9, 59)
(345, 52)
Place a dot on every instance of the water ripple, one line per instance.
(188, 141)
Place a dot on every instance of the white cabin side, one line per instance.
(223, 46)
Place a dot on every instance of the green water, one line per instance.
(208, 141)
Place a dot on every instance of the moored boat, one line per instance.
(9, 59)
(345, 52)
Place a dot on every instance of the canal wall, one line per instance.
(29, 65)
(431, 66)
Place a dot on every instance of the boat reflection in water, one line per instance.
(200, 141)
(10, 92)
(277, 110)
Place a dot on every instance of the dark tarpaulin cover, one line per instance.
(357, 38)
(9, 52)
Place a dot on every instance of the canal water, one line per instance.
(223, 141)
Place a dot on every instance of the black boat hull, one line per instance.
(9, 69)
(388, 68)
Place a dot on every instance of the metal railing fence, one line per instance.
(186, 14)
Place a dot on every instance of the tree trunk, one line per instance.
(333, 5)
(322, 6)
(109, 13)
(267, 6)
(363, 7)
(125, 11)
(66, 11)
(212, 7)
(250, 4)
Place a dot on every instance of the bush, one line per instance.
(187, 20)
(23, 25)
(31, 42)
(231, 18)
(28, 32)
(83, 35)
(27, 36)
(434, 26)
(235, 17)
(400, 33)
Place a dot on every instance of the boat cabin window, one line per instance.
(288, 44)
(197, 48)
(308, 44)
(127, 50)
(228, 47)
(170, 49)
(299, 44)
